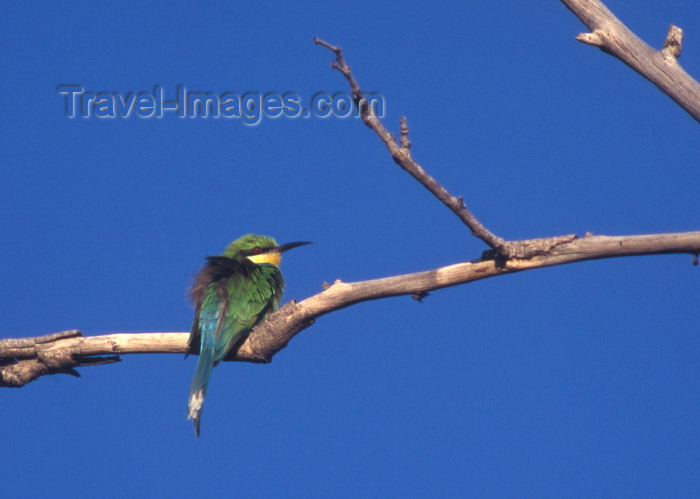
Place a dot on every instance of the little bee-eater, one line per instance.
(232, 293)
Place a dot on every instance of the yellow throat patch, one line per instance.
(272, 257)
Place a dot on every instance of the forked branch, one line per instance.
(23, 360)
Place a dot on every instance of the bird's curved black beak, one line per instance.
(284, 247)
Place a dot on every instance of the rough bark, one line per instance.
(23, 360)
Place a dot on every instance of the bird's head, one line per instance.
(260, 249)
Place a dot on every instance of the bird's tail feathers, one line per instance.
(198, 389)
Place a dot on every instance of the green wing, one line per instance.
(249, 297)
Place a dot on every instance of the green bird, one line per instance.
(232, 293)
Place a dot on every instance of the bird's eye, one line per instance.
(255, 250)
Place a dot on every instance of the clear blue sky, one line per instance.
(575, 381)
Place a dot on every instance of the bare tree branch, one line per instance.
(23, 360)
(660, 67)
(401, 153)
